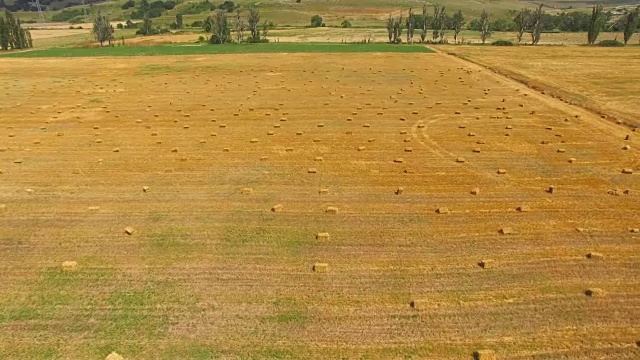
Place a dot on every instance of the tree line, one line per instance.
(12, 35)
(533, 22)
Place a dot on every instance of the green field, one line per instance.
(195, 49)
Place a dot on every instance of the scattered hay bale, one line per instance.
(299, 133)
(398, 160)
(460, 160)
(572, 160)
(270, 133)
(253, 141)
(289, 149)
(419, 304)
(371, 140)
(226, 150)
(69, 266)
(407, 140)
(331, 210)
(508, 127)
(18, 161)
(223, 126)
(403, 132)
(323, 236)
(3, 207)
(522, 208)
(145, 189)
(414, 113)
(263, 158)
(506, 231)
(29, 191)
(361, 148)
(626, 147)
(129, 230)
(185, 126)
(366, 125)
(318, 158)
(420, 126)
(349, 119)
(443, 210)
(627, 171)
(595, 256)
(312, 170)
(98, 141)
(320, 267)
(116, 150)
(502, 171)
(481, 142)
(594, 292)
(477, 150)
(614, 192)
(485, 264)
(552, 189)
(277, 208)
(114, 356)
(475, 191)
(174, 150)
(471, 134)
(634, 230)
(246, 191)
(399, 190)
(323, 191)
(408, 149)
(484, 355)
(562, 150)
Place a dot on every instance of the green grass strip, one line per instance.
(195, 49)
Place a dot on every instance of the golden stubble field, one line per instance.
(210, 270)
(603, 79)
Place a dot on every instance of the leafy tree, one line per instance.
(410, 27)
(128, 4)
(425, 27)
(596, 22)
(631, 24)
(439, 22)
(12, 35)
(485, 26)
(178, 21)
(253, 21)
(458, 22)
(522, 22)
(390, 22)
(102, 29)
(221, 30)
(536, 24)
(207, 26)
(316, 21)
(345, 24)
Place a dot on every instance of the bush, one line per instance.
(502, 43)
(197, 24)
(128, 4)
(201, 39)
(198, 8)
(610, 43)
(346, 24)
(120, 26)
(169, 5)
(227, 5)
(316, 21)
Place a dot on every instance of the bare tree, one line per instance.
(390, 22)
(522, 23)
(254, 23)
(536, 24)
(239, 26)
(485, 26)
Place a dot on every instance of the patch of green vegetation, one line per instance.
(289, 311)
(32, 351)
(272, 353)
(190, 351)
(148, 69)
(193, 49)
(19, 313)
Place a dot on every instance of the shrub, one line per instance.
(128, 4)
(120, 26)
(227, 6)
(201, 39)
(169, 5)
(346, 24)
(67, 14)
(610, 43)
(197, 24)
(502, 43)
(316, 21)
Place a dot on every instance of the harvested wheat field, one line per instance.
(310, 206)
(602, 79)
